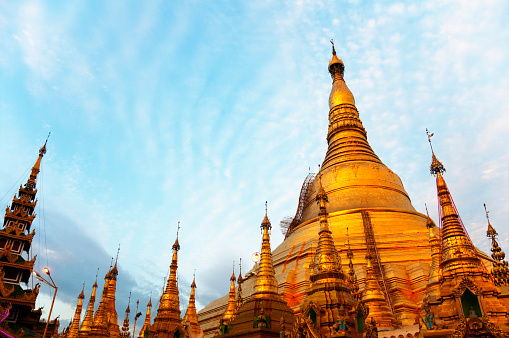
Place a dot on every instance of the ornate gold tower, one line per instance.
(88, 321)
(105, 319)
(146, 324)
(329, 299)
(75, 325)
(168, 320)
(230, 309)
(468, 298)
(261, 314)
(191, 318)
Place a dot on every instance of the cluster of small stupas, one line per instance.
(403, 276)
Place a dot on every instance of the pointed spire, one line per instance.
(230, 308)
(326, 262)
(191, 317)
(374, 298)
(86, 326)
(457, 250)
(146, 323)
(30, 185)
(265, 279)
(125, 333)
(168, 313)
(500, 270)
(75, 326)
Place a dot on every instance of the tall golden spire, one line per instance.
(125, 333)
(457, 251)
(100, 325)
(73, 331)
(347, 137)
(86, 326)
(374, 298)
(326, 263)
(500, 270)
(146, 323)
(265, 279)
(230, 309)
(191, 317)
(168, 314)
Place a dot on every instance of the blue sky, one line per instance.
(200, 111)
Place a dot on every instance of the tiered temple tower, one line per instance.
(105, 319)
(146, 324)
(263, 314)
(168, 321)
(75, 324)
(15, 267)
(467, 303)
(329, 299)
(193, 329)
(88, 321)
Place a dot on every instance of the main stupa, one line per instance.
(368, 206)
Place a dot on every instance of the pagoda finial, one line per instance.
(500, 270)
(30, 185)
(239, 280)
(491, 233)
(266, 221)
(429, 223)
(232, 278)
(436, 166)
(176, 245)
(336, 66)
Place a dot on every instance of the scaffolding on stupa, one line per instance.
(288, 224)
(373, 254)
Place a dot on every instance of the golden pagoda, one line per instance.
(262, 314)
(105, 322)
(329, 301)
(88, 321)
(146, 324)
(374, 299)
(230, 309)
(367, 198)
(75, 324)
(167, 321)
(193, 328)
(468, 301)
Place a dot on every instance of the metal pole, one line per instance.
(50, 309)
